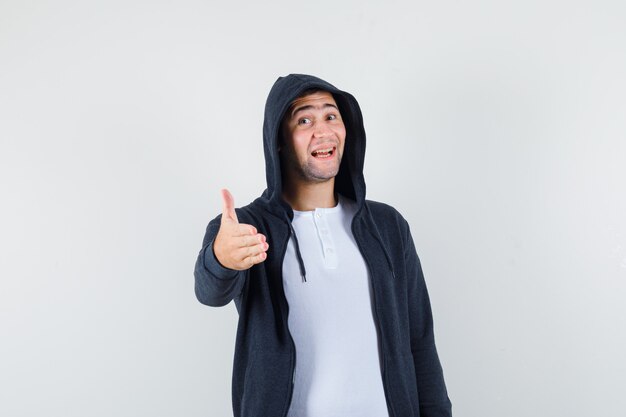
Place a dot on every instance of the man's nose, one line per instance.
(322, 130)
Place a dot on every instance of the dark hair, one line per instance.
(305, 93)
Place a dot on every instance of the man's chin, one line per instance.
(320, 176)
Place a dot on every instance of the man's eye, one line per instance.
(304, 121)
(331, 117)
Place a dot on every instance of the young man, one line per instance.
(334, 315)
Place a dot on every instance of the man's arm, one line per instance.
(229, 249)
(433, 396)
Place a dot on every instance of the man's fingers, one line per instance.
(250, 240)
(251, 251)
(244, 230)
(228, 206)
(253, 260)
(240, 230)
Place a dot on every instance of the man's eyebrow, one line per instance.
(310, 106)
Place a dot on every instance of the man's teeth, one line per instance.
(323, 152)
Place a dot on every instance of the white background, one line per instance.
(497, 128)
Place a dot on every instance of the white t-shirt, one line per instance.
(331, 320)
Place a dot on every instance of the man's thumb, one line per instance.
(228, 206)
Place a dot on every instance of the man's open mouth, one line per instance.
(324, 153)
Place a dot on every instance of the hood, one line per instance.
(349, 181)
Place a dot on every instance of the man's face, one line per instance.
(314, 137)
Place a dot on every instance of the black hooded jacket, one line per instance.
(265, 353)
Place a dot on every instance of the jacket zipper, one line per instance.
(377, 319)
(293, 344)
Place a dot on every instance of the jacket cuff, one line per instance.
(214, 267)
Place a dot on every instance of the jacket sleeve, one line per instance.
(433, 396)
(215, 285)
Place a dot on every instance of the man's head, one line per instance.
(312, 138)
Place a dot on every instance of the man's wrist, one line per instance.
(213, 265)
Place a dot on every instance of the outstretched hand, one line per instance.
(237, 246)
